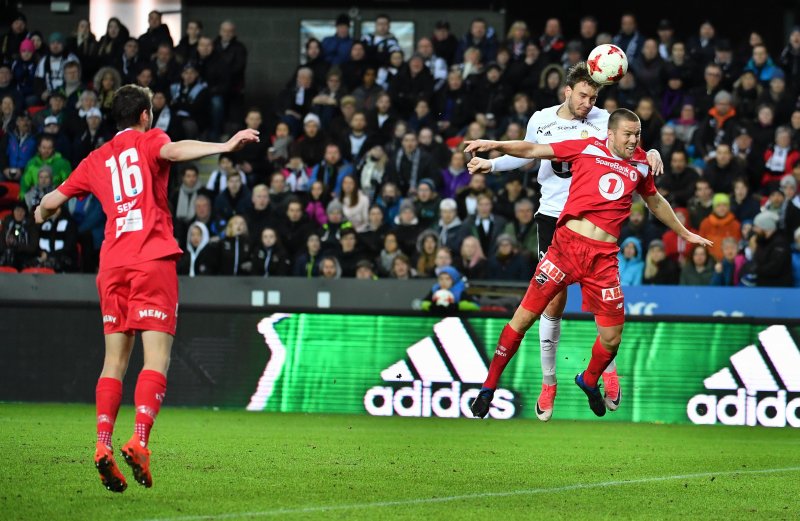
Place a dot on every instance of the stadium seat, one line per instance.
(4, 213)
(9, 194)
(8, 269)
(40, 271)
(36, 108)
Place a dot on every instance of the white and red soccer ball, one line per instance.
(607, 64)
(443, 297)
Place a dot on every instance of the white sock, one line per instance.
(611, 367)
(549, 334)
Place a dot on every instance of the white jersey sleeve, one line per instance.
(506, 162)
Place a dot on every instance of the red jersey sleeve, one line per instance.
(570, 150)
(151, 144)
(77, 184)
(647, 186)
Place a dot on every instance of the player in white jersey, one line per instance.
(576, 118)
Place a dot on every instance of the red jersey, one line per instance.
(602, 184)
(129, 178)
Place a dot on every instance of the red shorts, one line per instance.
(575, 258)
(141, 297)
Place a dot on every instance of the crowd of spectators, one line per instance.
(360, 172)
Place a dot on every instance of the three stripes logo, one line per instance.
(763, 387)
(441, 376)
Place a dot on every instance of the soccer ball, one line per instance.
(444, 298)
(607, 64)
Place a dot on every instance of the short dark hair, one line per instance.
(384, 16)
(191, 166)
(622, 115)
(129, 103)
(198, 23)
(47, 137)
(580, 73)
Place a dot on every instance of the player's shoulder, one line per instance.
(598, 115)
(545, 114)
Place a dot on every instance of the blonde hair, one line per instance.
(229, 226)
(516, 25)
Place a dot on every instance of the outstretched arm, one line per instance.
(521, 149)
(188, 150)
(48, 206)
(661, 209)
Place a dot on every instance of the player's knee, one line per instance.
(611, 340)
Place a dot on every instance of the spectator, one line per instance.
(234, 56)
(387, 73)
(365, 270)
(319, 197)
(674, 97)
(700, 205)
(667, 143)
(720, 224)
(410, 164)
(551, 84)
(391, 249)
(23, 70)
(307, 263)
(389, 200)
(381, 121)
(297, 176)
(629, 39)
(492, 98)
(18, 32)
(203, 213)
(763, 129)
(666, 37)
(699, 271)
(651, 122)
(294, 101)
(199, 256)
(650, 69)
(372, 238)
(92, 138)
(406, 227)
(252, 159)
(472, 260)
(84, 45)
(772, 257)
(261, 214)
(744, 206)
(484, 225)
(329, 268)
(507, 263)
(701, 47)
(796, 258)
(50, 70)
(353, 70)
(20, 238)
(677, 184)
(686, 124)
(517, 39)
(777, 96)
(235, 257)
(512, 192)
(444, 43)
(746, 93)
(156, 34)
(282, 143)
(330, 233)
(455, 105)
(106, 82)
(437, 65)
(357, 143)
(183, 200)
(53, 128)
(43, 187)
(332, 169)
(450, 280)
(427, 244)
(413, 82)
(779, 160)
(631, 265)
(551, 42)
(639, 226)
(790, 213)
(426, 203)
(455, 176)
(111, 44)
(218, 180)
(18, 148)
(433, 145)
(46, 155)
(269, 257)
(234, 200)
(658, 268)
(336, 48)
(761, 65)
(58, 243)
(279, 191)
(187, 47)
(723, 169)
(166, 68)
(523, 230)
(326, 103)
(367, 92)
(341, 119)
(191, 101)
(381, 42)
(444, 257)
(789, 59)
(449, 227)
(480, 36)
(724, 269)
(401, 268)
(355, 203)
(525, 74)
(311, 146)
(676, 247)
(349, 254)
(55, 108)
(467, 197)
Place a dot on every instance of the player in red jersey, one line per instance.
(137, 279)
(584, 248)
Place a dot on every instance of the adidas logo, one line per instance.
(445, 375)
(762, 389)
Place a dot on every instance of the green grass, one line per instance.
(238, 465)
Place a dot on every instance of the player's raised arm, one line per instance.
(188, 150)
(663, 211)
(521, 149)
(48, 206)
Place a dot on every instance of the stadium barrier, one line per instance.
(729, 371)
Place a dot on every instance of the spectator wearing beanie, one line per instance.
(720, 224)
(772, 258)
(631, 265)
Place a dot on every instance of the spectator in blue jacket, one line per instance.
(482, 36)
(725, 268)
(631, 265)
(762, 65)
(336, 48)
(20, 147)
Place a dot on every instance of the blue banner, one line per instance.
(703, 301)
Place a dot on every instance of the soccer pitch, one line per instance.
(238, 465)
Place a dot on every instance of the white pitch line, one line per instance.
(485, 495)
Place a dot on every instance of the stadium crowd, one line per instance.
(360, 172)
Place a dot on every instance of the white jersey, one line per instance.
(546, 127)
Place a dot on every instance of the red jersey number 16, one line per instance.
(130, 172)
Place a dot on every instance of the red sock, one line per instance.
(150, 389)
(601, 357)
(108, 396)
(506, 347)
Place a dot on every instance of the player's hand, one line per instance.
(655, 162)
(242, 138)
(37, 215)
(479, 145)
(696, 239)
(478, 165)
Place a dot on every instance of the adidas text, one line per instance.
(421, 399)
